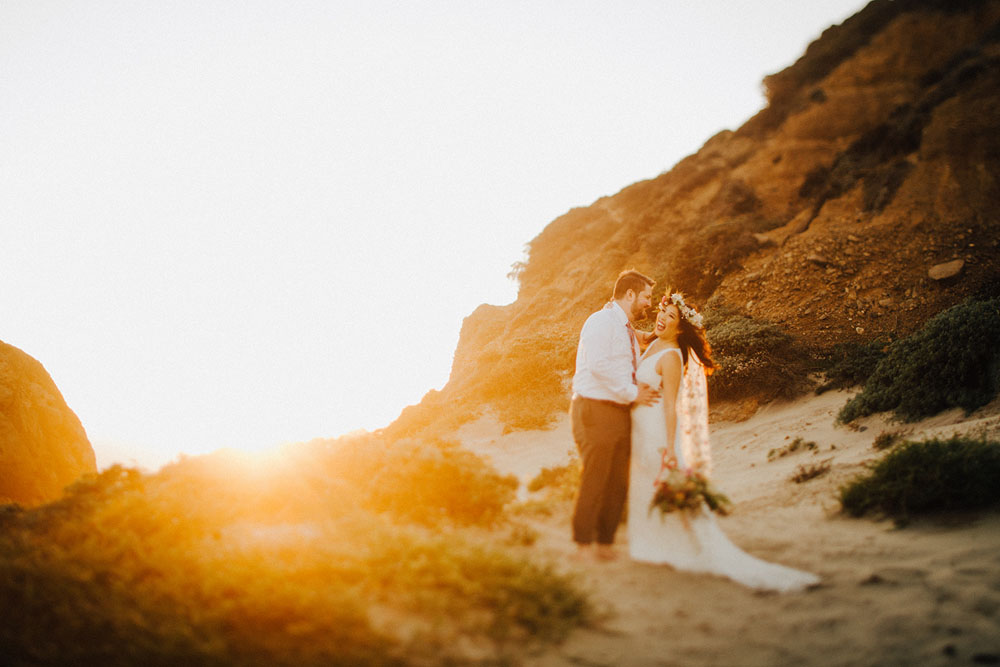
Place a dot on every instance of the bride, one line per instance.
(674, 431)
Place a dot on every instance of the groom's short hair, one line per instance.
(631, 280)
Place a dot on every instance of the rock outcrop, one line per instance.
(946, 270)
(43, 447)
(876, 157)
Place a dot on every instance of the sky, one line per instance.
(243, 224)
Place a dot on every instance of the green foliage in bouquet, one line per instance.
(958, 473)
(686, 490)
(755, 358)
(953, 361)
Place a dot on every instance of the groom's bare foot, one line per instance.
(606, 552)
(589, 553)
(584, 553)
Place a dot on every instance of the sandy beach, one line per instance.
(925, 594)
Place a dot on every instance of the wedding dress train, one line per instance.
(699, 545)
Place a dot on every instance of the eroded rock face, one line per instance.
(43, 447)
(876, 158)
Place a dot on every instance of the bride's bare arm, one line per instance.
(669, 368)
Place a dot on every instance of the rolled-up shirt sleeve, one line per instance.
(604, 360)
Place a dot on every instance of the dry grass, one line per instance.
(796, 445)
(805, 472)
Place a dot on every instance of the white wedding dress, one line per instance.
(699, 546)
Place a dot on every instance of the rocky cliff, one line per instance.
(863, 199)
(43, 447)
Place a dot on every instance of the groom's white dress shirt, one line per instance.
(604, 357)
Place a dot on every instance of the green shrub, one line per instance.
(429, 483)
(953, 361)
(531, 411)
(114, 574)
(851, 364)
(958, 473)
(559, 482)
(756, 358)
(886, 440)
(525, 383)
(220, 560)
(521, 535)
(438, 576)
(229, 559)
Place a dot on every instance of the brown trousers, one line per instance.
(603, 434)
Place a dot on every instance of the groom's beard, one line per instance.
(638, 314)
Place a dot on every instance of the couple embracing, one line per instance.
(635, 412)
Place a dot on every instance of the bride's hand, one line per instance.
(670, 460)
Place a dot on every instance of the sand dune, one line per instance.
(926, 594)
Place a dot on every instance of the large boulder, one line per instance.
(43, 447)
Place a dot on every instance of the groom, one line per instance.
(604, 389)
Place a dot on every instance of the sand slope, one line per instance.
(927, 594)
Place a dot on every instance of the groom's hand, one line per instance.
(647, 395)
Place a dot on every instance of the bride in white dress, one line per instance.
(677, 361)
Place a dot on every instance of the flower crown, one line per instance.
(686, 311)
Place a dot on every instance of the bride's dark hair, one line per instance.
(690, 337)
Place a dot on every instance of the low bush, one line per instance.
(953, 361)
(431, 483)
(796, 445)
(756, 358)
(330, 554)
(851, 364)
(526, 382)
(804, 473)
(958, 473)
(885, 440)
(521, 535)
(531, 411)
(558, 482)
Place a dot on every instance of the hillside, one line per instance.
(859, 202)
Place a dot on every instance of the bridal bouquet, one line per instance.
(678, 490)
